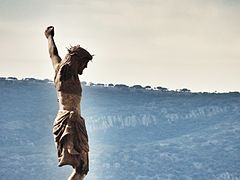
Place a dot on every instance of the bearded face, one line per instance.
(78, 58)
(81, 66)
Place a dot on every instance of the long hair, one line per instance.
(77, 53)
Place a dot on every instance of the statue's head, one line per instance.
(78, 58)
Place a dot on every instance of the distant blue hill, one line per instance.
(135, 132)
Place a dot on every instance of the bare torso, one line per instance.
(70, 102)
(68, 90)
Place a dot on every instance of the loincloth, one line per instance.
(71, 140)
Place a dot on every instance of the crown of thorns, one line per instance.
(79, 51)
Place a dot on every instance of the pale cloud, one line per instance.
(147, 42)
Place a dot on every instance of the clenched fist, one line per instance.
(49, 31)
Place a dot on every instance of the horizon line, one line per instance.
(118, 85)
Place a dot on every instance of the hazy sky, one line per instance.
(170, 43)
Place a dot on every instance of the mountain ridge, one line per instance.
(111, 85)
(140, 134)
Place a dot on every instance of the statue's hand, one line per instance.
(49, 31)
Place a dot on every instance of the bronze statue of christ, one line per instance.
(69, 129)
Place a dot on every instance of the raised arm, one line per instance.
(52, 48)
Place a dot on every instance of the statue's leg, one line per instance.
(71, 157)
(80, 172)
(68, 155)
(75, 175)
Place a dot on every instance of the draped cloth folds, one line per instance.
(71, 140)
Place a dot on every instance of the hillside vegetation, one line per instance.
(134, 132)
